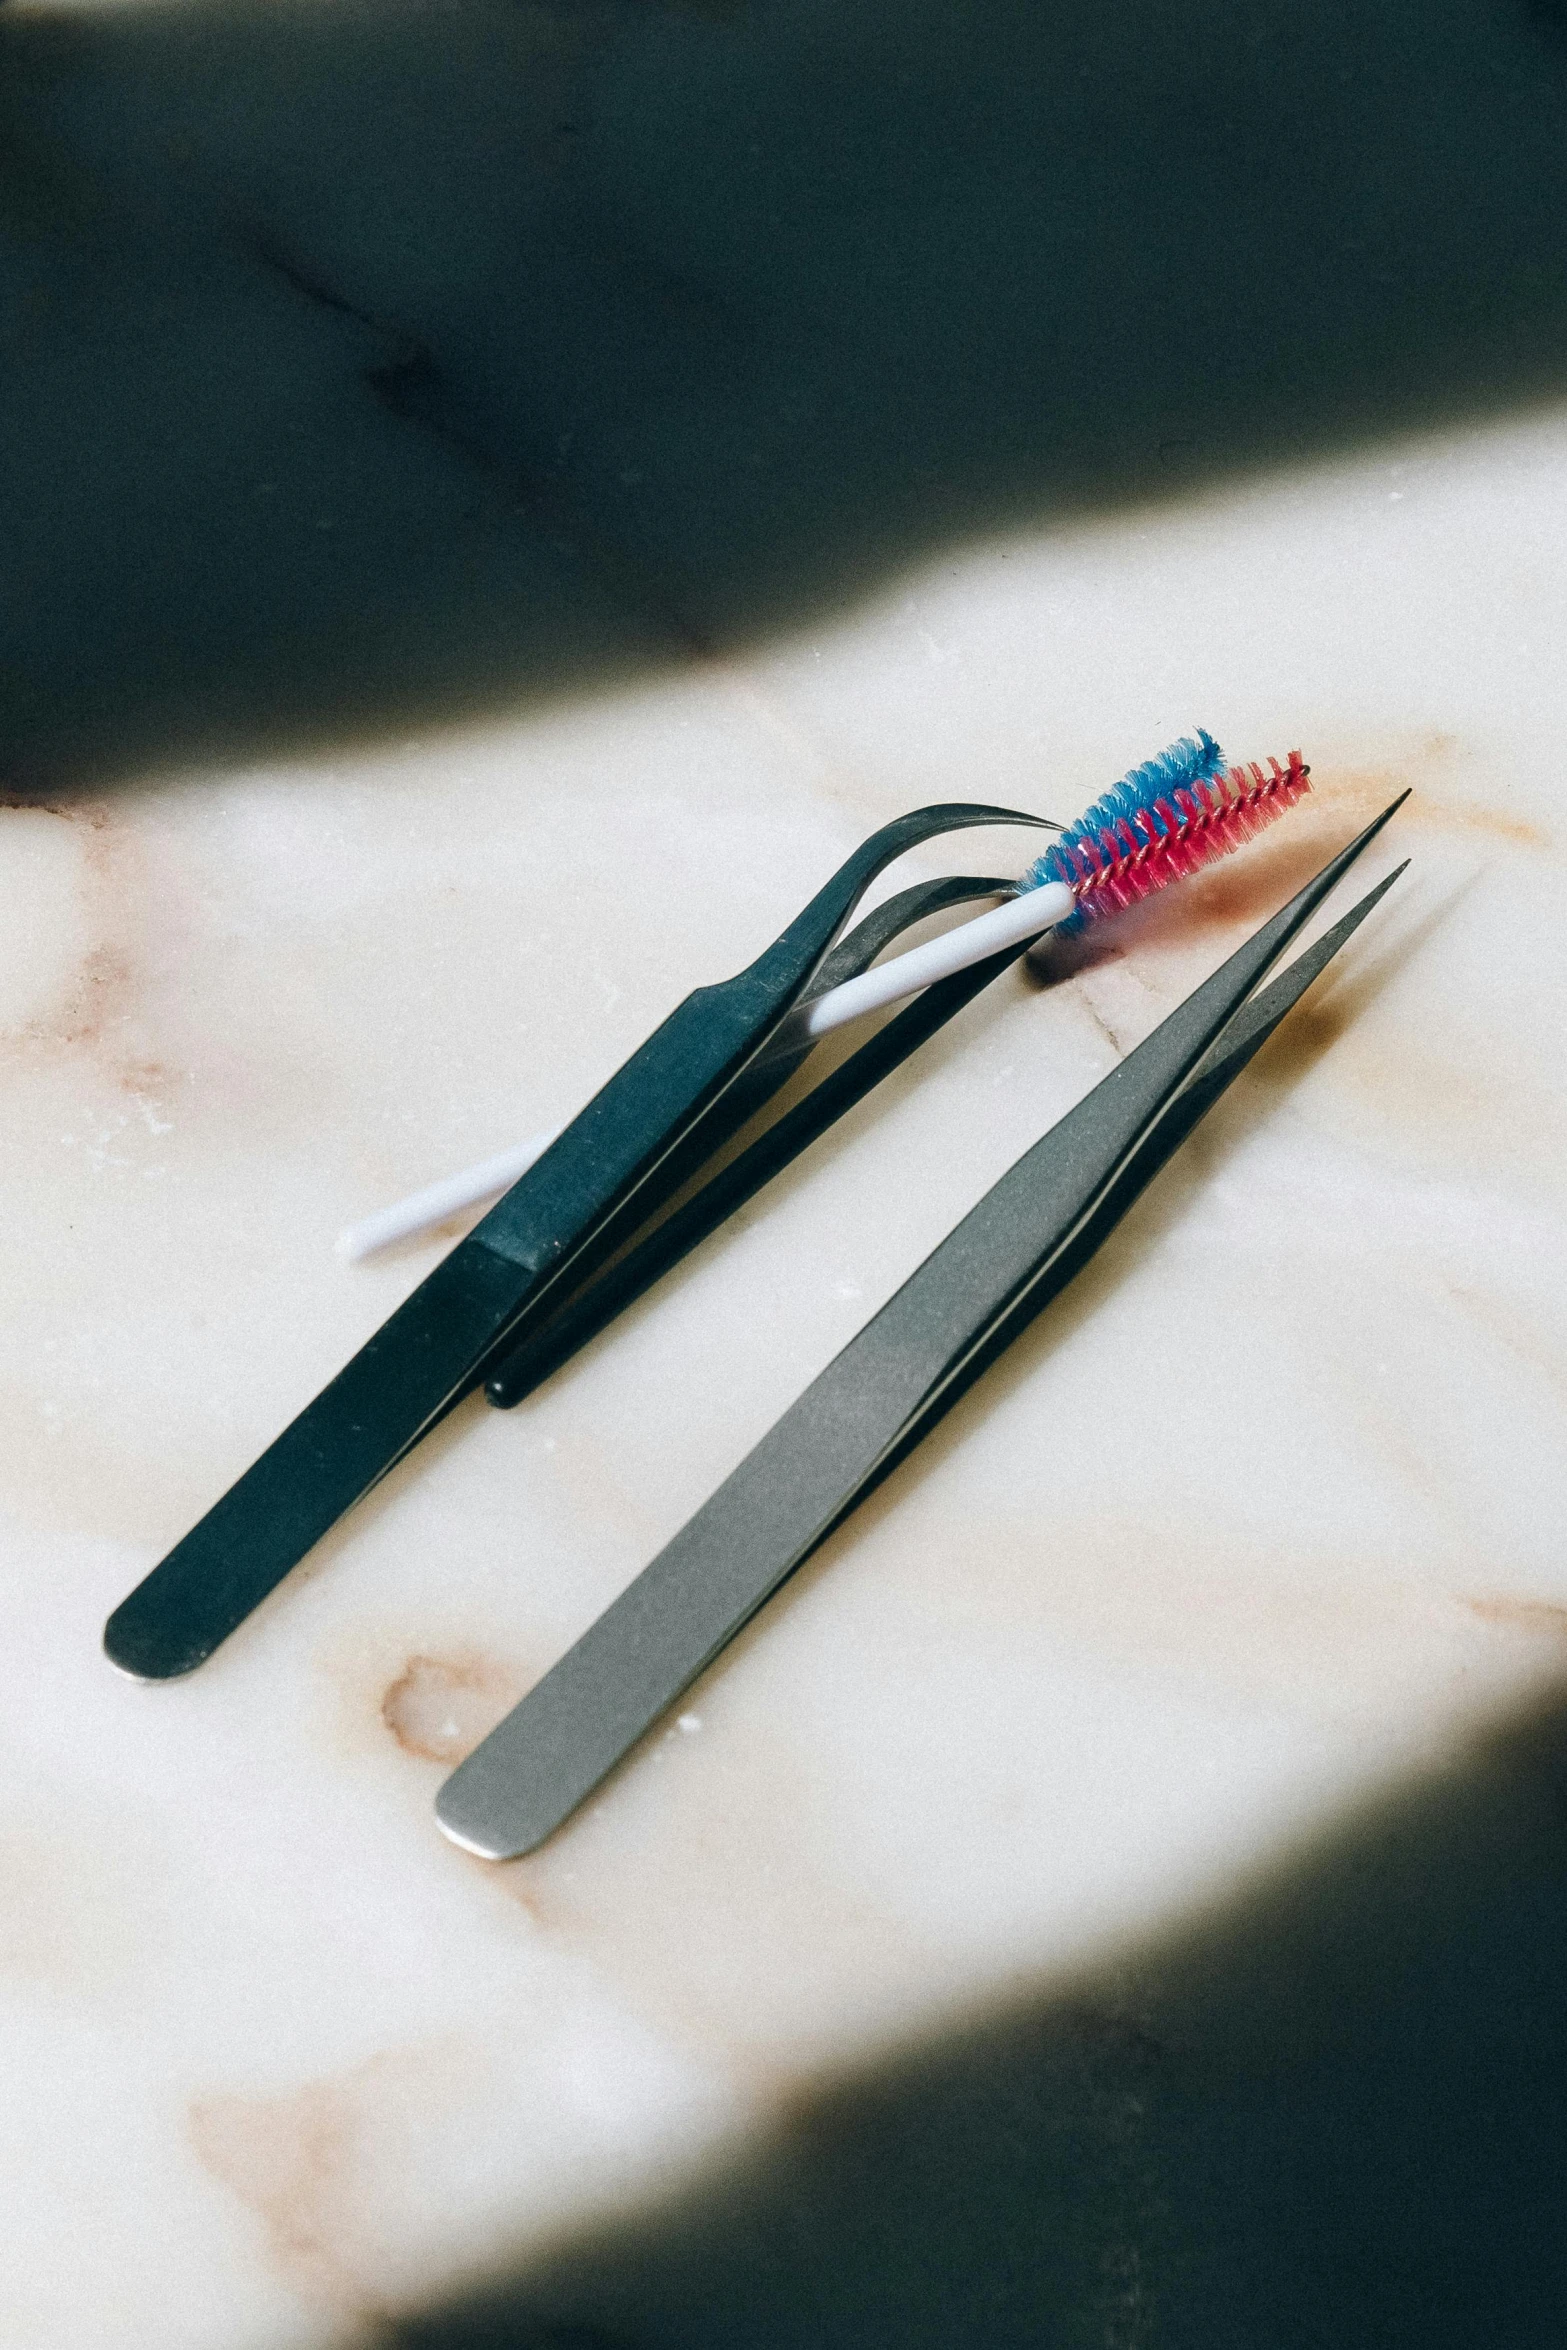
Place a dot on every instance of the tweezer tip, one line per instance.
(473, 1840)
(139, 1661)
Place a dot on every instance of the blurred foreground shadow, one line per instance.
(364, 361)
(1330, 2117)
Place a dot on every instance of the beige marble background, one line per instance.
(1266, 1513)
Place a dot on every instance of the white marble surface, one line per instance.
(1265, 1513)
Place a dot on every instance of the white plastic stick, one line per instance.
(421, 1209)
(1006, 925)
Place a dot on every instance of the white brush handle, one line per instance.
(421, 1209)
(1007, 925)
(887, 983)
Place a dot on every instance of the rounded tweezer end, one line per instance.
(134, 1649)
(454, 1819)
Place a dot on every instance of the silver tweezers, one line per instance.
(875, 1401)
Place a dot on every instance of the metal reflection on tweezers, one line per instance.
(875, 1401)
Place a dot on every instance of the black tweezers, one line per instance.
(682, 1095)
(875, 1401)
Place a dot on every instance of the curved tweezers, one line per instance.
(763, 1076)
(877, 1398)
(591, 1309)
(593, 1181)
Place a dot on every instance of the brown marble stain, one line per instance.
(1539, 1350)
(1228, 897)
(39, 1941)
(1435, 1105)
(1539, 1616)
(1325, 1014)
(330, 2168)
(289, 2159)
(1508, 828)
(88, 1890)
(88, 811)
(1362, 791)
(304, 2163)
(103, 981)
(701, 1884)
(1432, 1098)
(1244, 888)
(99, 992)
(68, 1924)
(441, 1707)
(1105, 1025)
(91, 820)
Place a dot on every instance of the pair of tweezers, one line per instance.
(875, 1401)
(494, 1310)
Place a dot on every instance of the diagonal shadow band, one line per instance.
(363, 365)
(1325, 2109)
(1328, 2111)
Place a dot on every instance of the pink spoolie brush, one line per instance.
(1166, 819)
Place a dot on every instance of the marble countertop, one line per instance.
(1258, 1527)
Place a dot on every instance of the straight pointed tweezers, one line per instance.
(1027, 1237)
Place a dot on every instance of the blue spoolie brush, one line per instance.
(1173, 814)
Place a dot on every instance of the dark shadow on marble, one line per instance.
(1331, 2115)
(370, 362)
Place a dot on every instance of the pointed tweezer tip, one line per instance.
(1390, 810)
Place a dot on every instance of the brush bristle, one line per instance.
(1168, 818)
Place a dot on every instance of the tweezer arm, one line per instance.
(757, 1083)
(578, 1722)
(1215, 1073)
(575, 1322)
(438, 1344)
(655, 1103)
